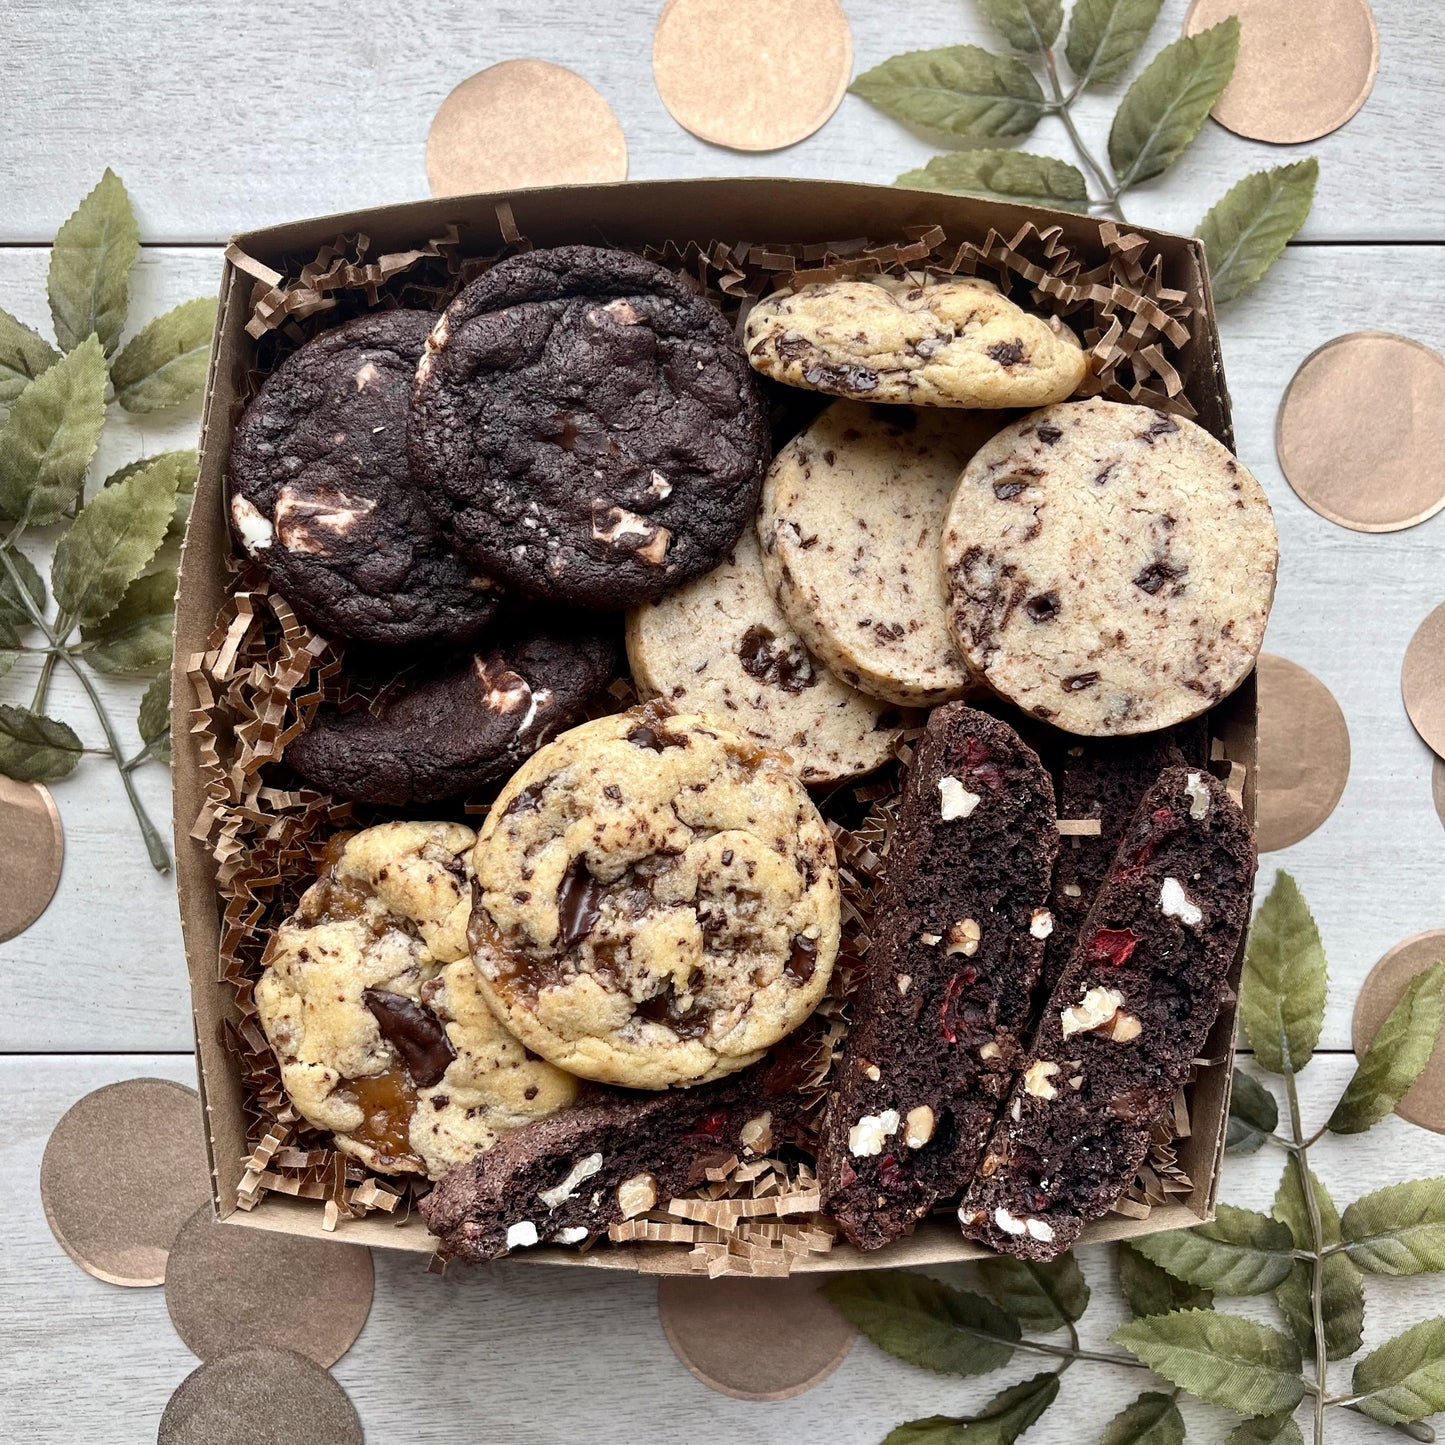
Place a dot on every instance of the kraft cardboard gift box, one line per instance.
(626, 214)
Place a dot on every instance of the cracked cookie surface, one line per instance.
(321, 498)
(958, 342)
(376, 1013)
(657, 901)
(1110, 568)
(587, 428)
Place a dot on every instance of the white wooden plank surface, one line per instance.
(220, 119)
(529, 1355)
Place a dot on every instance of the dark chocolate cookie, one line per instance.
(437, 733)
(588, 429)
(322, 500)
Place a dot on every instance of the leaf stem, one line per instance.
(42, 683)
(1061, 107)
(1317, 1235)
(146, 752)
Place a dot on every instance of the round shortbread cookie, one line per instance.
(721, 647)
(657, 901)
(918, 341)
(850, 524)
(1110, 568)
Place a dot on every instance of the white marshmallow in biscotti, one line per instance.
(850, 523)
(1110, 568)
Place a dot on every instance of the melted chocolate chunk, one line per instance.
(1049, 435)
(1044, 607)
(1006, 491)
(842, 377)
(662, 1009)
(1160, 428)
(1156, 574)
(1079, 681)
(528, 800)
(648, 735)
(1007, 353)
(802, 960)
(579, 905)
(418, 1036)
(788, 667)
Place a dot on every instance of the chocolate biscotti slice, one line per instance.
(958, 940)
(1133, 1008)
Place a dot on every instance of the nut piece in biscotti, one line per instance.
(721, 647)
(1110, 568)
(376, 1015)
(322, 501)
(587, 427)
(957, 947)
(851, 520)
(657, 901)
(923, 342)
(1133, 1008)
(440, 731)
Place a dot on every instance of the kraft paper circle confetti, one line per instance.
(523, 123)
(1361, 431)
(754, 75)
(229, 1286)
(1383, 989)
(33, 853)
(260, 1397)
(123, 1171)
(753, 1339)
(1304, 753)
(1422, 679)
(1305, 66)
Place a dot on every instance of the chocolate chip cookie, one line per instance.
(587, 427)
(925, 342)
(1110, 568)
(322, 500)
(376, 1015)
(720, 646)
(657, 901)
(851, 520)
(441, 731)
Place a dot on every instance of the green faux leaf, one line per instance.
(1002, 175)
(1267, 1430)
(1106, 35)
(1162, 111)
(187, 467)
(13, 611)
(1282, 991)
(24, 355)
(154, 718)
(1238, 1253)
(1253, 1113)
(1343, 1289)
(926, 1323)
(8, 659)
(1153, 1419)
(1223, 1359)
(1041, 1296)
(1404, 1379)
(960, 90)
(135, 639)
(1000, 1422)
(1030, 25)
(1399, 1229)
(1150, 1290)
(90, 267)
(110, 543)
(50, 437)
(35, 748)
(1245, 232)
(164, 364)
(1396, 1057)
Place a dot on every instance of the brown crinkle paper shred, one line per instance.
(264, 674)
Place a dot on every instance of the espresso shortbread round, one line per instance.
(322, 501)
(923, 342)
(1110, 568)
(721, 647)
(376, 1014)
(850, 522)
(587, 427)
(657, 901)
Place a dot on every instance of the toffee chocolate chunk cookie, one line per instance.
(435, 733)
(376, 1014)
(721, 647)
(1110, 568)
(959, 342)
(958, 940)
(1133, 1008)
(851, 520)
(657, 901)
(322, 500)
(587, 427)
